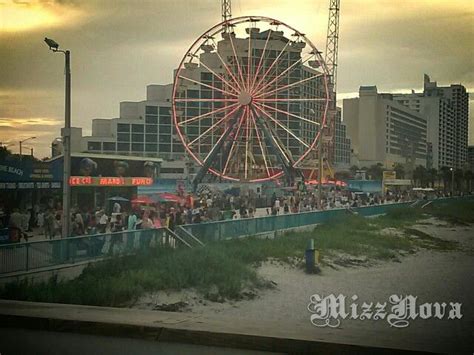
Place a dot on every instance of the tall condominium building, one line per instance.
(384, 131)
(447, 112)
(342, 144)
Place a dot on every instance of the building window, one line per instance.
(151, 138)
(165, 120)
(121, 127)
(165, 147)
(151, 110)
(178, 148)
(123, 137)
(137, 128)
(151, 129)
(165, 111)
(123, 147)
(137, 137)
(94, 146)
(151, 147)
(151, 119)
(109, 146)
(165, 139)
(165, 129)
(137, 147)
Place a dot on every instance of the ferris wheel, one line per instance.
(250, 99)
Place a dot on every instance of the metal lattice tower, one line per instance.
(226, 10)
(331, 63)
(332, 41)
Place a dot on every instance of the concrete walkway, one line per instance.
(184, 328)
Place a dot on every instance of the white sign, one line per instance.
(328, 311)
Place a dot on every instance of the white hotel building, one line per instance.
(384, 131)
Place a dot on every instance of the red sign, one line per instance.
(109, 181)
(80, 180)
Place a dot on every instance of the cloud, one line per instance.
(36, 123)
(25, 16)
(118, 47)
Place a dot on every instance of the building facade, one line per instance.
(342, 144)
(384, 131)
(470, 157)
(447, 113)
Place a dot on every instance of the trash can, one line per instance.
(310, 261)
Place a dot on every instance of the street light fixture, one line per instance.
(21, 143)
(54, 46)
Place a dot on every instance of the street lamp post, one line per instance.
(452, 181)
(66, 137)
(21, 145)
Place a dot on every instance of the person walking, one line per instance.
(104, 220)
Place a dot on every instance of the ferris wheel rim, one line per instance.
(260, 102)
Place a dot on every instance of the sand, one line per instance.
(432, 276)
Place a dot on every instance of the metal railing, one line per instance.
(34, 255)
(228, 229)
(46, 253)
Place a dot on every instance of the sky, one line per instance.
(118, 47)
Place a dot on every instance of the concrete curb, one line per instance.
(176, 327)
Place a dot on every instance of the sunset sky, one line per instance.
(118, 47)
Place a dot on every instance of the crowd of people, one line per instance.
(46, 219)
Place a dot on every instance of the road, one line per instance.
(38, 342)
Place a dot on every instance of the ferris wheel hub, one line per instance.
(245, 98)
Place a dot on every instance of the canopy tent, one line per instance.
(143, 200)
(118, 199)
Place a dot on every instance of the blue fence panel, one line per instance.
(39, 254)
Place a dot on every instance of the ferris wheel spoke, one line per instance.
(220, 77)
(205, 100)
(278, 77)
(275, 142)
(282, 126)
(246, 155)
(271, 66)
(241, 119)
(289, 99)
(260, 144)
(231, 74)
(248, 59)
(287, 86)
(192, 119)
(239, 69)
(208, 86)
(288, 113)
(213, 126)
(261, 59)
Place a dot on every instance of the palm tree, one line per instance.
(468, 177)
(375, 171)
(445, 175)
(459, 178)
(399, 170)
(353, 169)
(432, 175)
(420, 175)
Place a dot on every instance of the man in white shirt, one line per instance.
(277, 205)
(103, 222)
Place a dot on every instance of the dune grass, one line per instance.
(223, 269)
